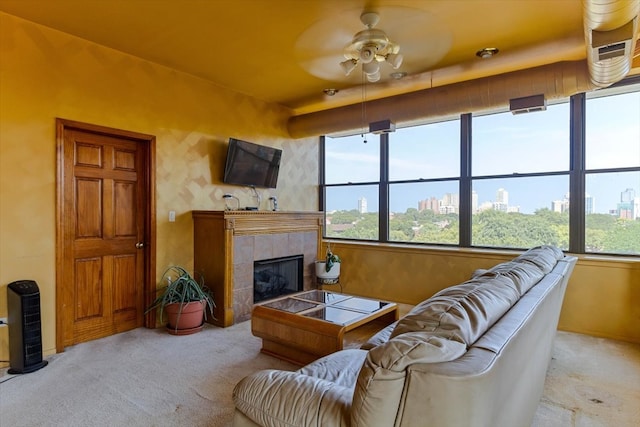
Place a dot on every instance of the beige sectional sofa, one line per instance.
(474, 354)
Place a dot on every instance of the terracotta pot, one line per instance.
(182, 317)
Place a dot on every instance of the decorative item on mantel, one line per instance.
(328, 270)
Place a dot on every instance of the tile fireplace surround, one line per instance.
(226, 243)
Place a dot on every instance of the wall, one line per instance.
(602, 297)
(46, 74)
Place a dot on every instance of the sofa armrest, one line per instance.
(273, 398)
(380, 337)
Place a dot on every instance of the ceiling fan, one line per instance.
(370, 47)
(424, 38)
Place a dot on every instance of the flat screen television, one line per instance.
(251, 164)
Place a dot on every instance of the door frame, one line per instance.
(62, 224)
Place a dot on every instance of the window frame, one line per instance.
(576, 172)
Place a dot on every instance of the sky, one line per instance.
(503, 144)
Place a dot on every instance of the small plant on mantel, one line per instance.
(185, 300)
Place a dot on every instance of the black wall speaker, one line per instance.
(25, 333)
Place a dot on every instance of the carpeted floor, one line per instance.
(138, 378)
(150, 378)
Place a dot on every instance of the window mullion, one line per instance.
(383, 197)
(577, 174)
(321, 175)
(465, 214)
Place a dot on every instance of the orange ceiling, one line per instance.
(287, 51)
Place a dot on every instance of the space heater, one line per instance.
(25, 333)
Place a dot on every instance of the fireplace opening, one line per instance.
(276, 277)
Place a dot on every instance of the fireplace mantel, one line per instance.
(269, 222)
(226, 243)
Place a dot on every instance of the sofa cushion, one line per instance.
(523, 274)
(414, 347)
(463, 312)
(273, 398)
(544, 256)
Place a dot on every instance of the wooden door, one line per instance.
(103, 243)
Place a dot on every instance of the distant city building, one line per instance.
(502, 200)
(502, 196)
(447, 209)
(562, 206)
(430, 204)
(627, 195)
(450, 203)
(362, 205)
(589, 204)
(499, 206)
(629, 206)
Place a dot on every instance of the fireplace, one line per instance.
(227, 243)
(276, 277)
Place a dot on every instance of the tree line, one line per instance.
(603, 233)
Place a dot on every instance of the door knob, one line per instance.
(140, 245)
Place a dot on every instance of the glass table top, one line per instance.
(322, 296)
(331, 307)
(361, 304)
(291, 305)
(334, 315)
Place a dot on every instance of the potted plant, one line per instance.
(185, 300)
(328, 270)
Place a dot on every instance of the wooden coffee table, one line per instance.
(304, 326)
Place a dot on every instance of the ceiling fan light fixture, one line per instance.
(371, 67)
(348, 66)
(369, 48)
(373, 77)
(395, 60)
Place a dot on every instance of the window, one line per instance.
(424, 170)
(521, 212)
(521, 205)
(352, 174)
(505, 144)
(527, 179)
(612, 178)
(432, 218)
